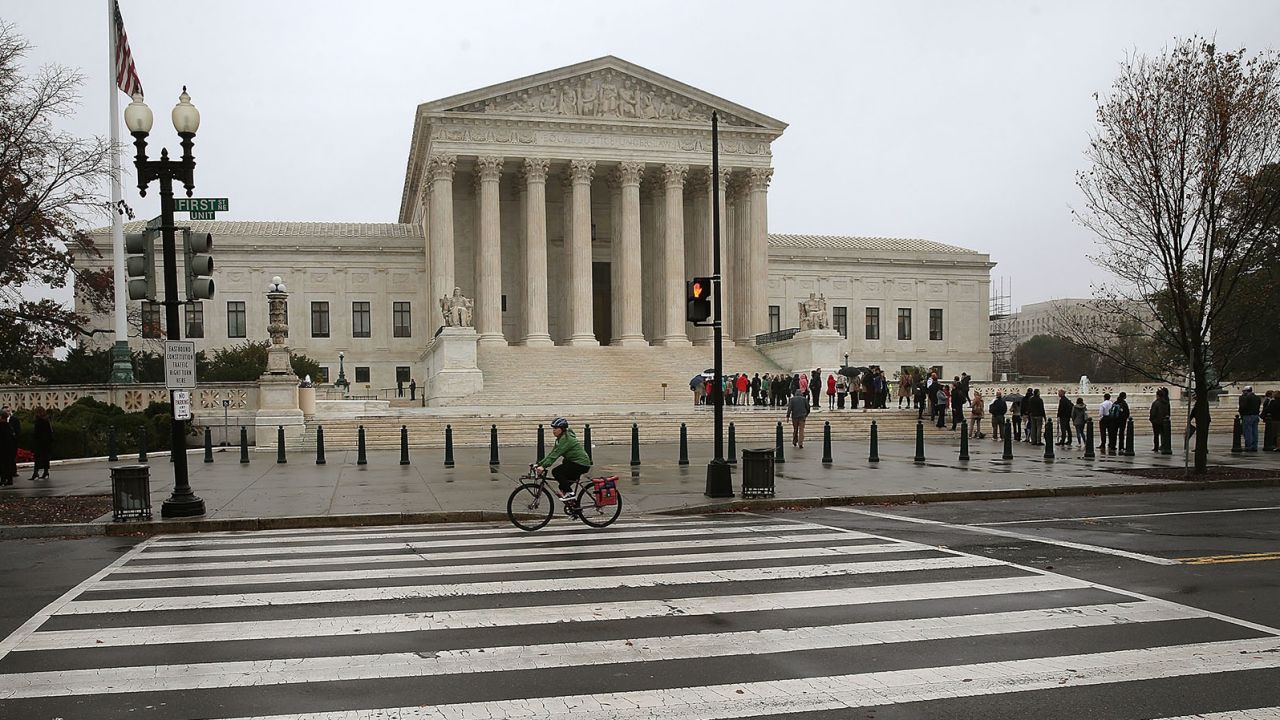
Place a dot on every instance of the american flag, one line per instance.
(126, 73)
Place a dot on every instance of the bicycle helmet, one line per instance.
(560, 423)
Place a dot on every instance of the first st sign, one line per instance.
(179, 365)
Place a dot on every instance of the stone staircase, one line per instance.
(575, 376)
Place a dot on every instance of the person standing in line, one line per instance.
(1104, 420)
(41, 444)
(1065, 410)
(815, 387)
(755, 389)
(1079, 418)
(905, 387)
(802, 386)
(399, 388)
(1015, 412)
(1250, 409)
(1028, 404)
(842, 390)
(797, 412)
(695, 387)
(1035, 430)
(744, 384)
(831, 392)
(1161, 415)
(8, 449)
(957, 402)
(975, 415)
(998, 409)
(943, 402)
(413, 389)
(1271, 416)
(1116, 423)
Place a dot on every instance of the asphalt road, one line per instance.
(1119, 608)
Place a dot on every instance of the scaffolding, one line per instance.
(1001, 340)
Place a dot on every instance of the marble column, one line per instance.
(758, 285)
(727, 311)
(673, 280)
(626, 255)
(697, 240)
(488, 316)
(578, 246)
(740, 256)
(441, 169)
(535, 253)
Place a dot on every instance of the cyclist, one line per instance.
(576, 461)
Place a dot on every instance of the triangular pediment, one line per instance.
(607, 89)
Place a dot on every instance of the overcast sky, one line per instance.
(961, 122)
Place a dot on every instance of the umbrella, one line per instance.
(1014, 398)
(852, 372)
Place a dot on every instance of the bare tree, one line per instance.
(1180, 135)
(50, 188)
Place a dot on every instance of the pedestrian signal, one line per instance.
(698, 300)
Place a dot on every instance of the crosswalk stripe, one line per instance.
(498, 568)
(600, 539)
(1266, 713)
(613, 549)
(503, 587)
(161, 678)
(448, 530)
(842, 692)
(541, 614)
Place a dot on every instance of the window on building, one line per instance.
(775, 318)
(152, 317)
(194, 315)
(319, 319)
(401, 325)
(904, 323)
(504, 303)
(873, 323)
(361, 320)
(402, 374)
(840, 319)
(236, 326)
(362, 374)
(935, 323)
(324, 375)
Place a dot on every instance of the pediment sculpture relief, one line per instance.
(604, 94)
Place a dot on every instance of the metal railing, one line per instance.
(779, 336)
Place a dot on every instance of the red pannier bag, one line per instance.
(606, 490)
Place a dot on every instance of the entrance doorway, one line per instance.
(602, 301)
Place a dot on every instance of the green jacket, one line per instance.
(567, 445)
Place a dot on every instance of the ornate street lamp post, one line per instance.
(342, 376)
(186, 120)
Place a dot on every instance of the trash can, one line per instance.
(757, 473)
(131, 492)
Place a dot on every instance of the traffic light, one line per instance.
(698, 297)
(140, 264)
(199, 266)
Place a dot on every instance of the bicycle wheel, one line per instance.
(530, 506)
(592, 512)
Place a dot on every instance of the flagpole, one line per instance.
(121, 361)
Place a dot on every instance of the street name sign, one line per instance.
(201, 205)
(181, 404)
(179, 365)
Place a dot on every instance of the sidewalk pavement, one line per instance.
(299, 493)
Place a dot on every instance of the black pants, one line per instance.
(1017, 427)
(813, 391)
(1064, 430)
(1269, 434)
(1110, 434)
(957, 415)
(567, 473)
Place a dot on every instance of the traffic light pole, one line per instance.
(719, 481)
(183, 502)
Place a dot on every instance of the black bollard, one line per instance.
(1166, 437)
(448, 446)
(142, 445)
(1088, 439)
(1048, 438)
(280, 458)
(493, 446)
(826, 443)
(635, 445)
(1128, 440)
(361, 456)
(733, 446)
(779, 455)
(404, 445)
(111, 445)
(964, 440)
(919, 441)
(244, 446)
(1237, 433)
(1008, 441)
(684, 445)
(874, 455)
(542, 443)
(320, 445)
(208, 444)
(586, 439)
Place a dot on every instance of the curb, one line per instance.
(302, 522)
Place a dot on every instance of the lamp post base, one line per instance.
(719, 480)
(121, 363)
(182, 506)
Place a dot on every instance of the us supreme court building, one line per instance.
(572, 206)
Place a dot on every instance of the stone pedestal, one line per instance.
(307, 400)
(809, 349)
(450, 361)
(278, 405)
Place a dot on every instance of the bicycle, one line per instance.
(595, 501)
